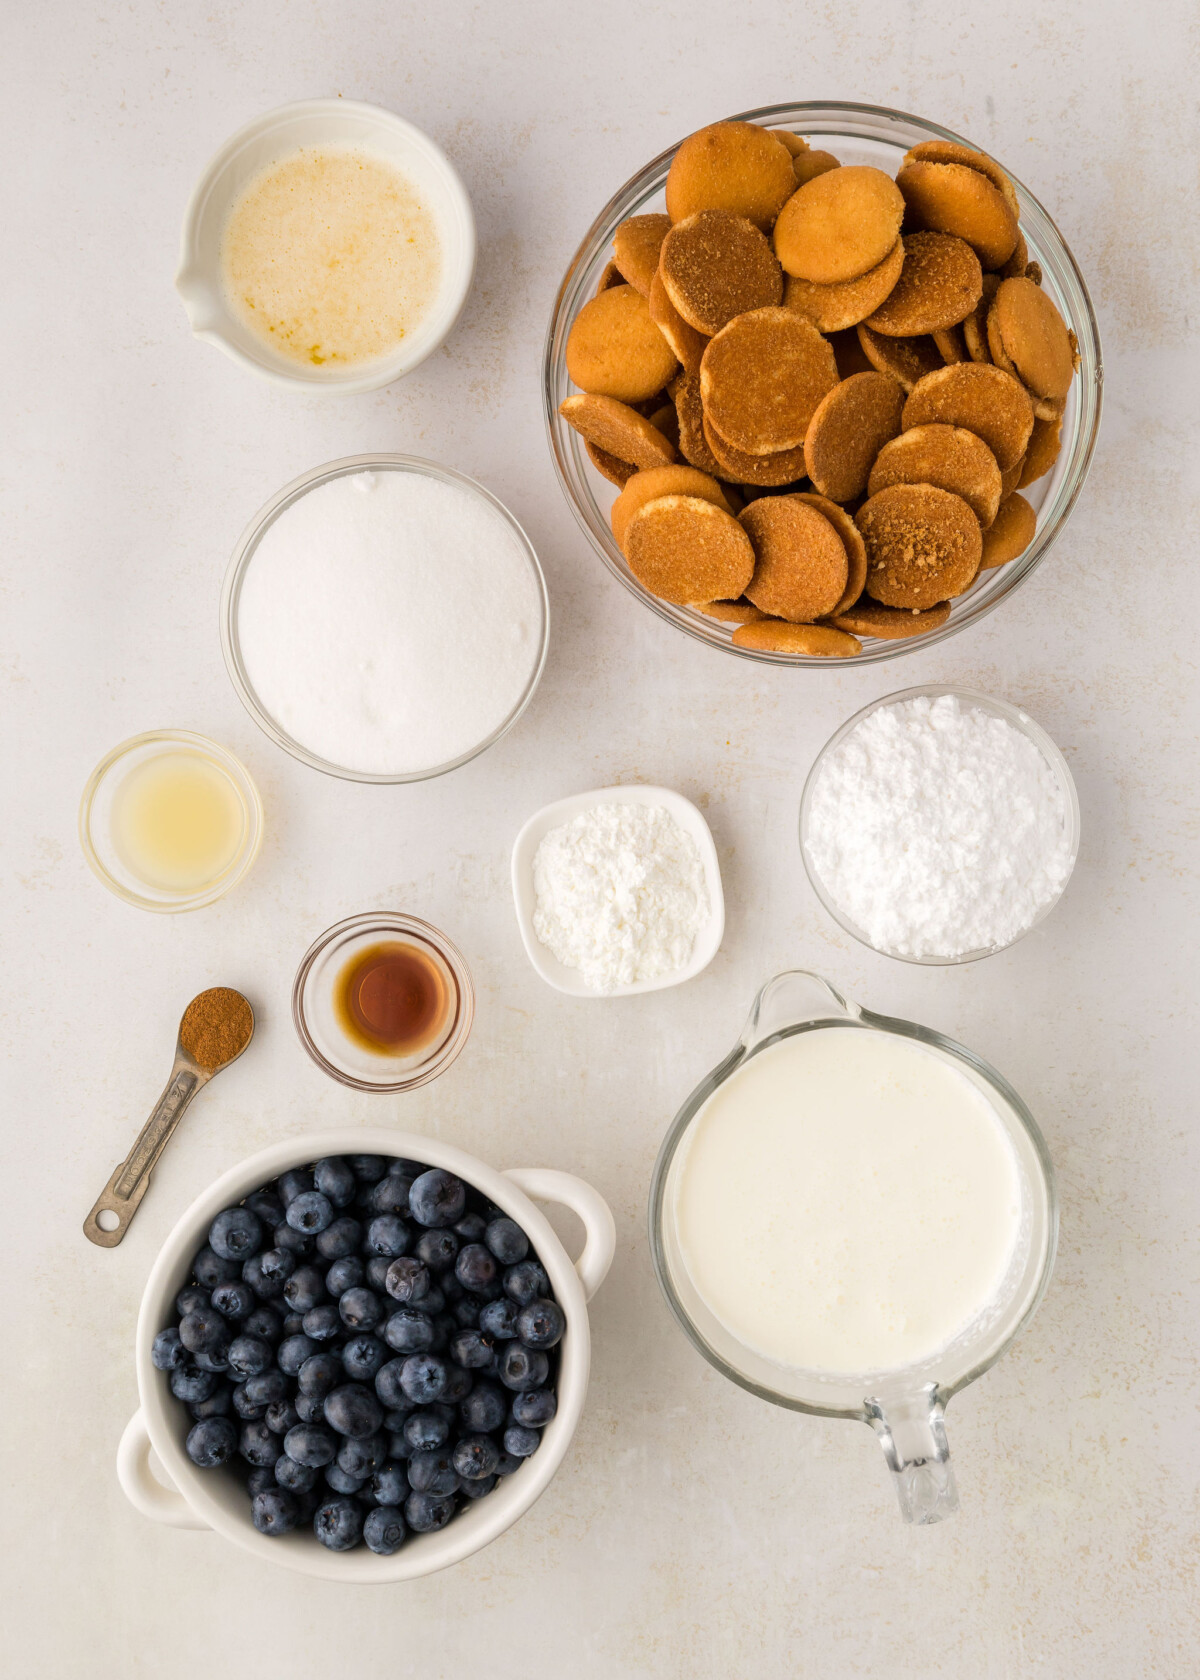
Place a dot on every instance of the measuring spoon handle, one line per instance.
(123, 1193)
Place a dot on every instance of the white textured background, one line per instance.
(693, 1531)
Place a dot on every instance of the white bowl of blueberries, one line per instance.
(363, 1355)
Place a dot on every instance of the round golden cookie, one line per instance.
(948, 151)
(950, 198)
(715, 266)
(946, 456)
(648, 486)
(810, 164)
(666, 421)
(1010, 478)
(685, 341)
(795, 143)
(1019, 265)
(834, 308)
(906, 359)
(1011, 533)
(733, 166)
(693, 444)
(974, 327)
(982, 399)
(1045, 442)
(801, 565)
(940, 283)
(1033, 271)
(636, 245)
(852, 542)
(849, 428)
(762, 472)
(952, 346)
(608, 466)
(683, 549)
(819, 641)
(618, 429)
(614, 349)
(839, 225)
(762, 378)
(728, 612)
(890, 624)
(610, 275)
(923, 545)
(1032, 335)
(849, 354)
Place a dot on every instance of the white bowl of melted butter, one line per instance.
(329, 246)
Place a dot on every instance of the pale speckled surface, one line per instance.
(693, 1531)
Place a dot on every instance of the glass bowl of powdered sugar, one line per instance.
(384, 619)
(939, 825)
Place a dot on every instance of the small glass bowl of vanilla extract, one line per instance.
(383, 1002)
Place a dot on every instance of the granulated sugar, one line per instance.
(390, 622)
(938, 829)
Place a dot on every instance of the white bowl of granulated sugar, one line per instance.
(618, 891)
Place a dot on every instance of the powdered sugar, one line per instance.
(938, 829)
(620, 894)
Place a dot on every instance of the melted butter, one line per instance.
(330, 256)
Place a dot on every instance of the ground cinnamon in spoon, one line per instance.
(216, 1027)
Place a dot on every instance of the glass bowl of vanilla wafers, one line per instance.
(822, 382)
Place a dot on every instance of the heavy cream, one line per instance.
(847, 1201)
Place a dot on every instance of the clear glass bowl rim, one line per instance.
(386, 922)
(1021, 720)
(823, 116)
(247, 790)
(244, 553)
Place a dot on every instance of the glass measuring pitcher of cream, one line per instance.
(854, 1216)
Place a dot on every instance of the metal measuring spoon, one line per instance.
(123, 1193)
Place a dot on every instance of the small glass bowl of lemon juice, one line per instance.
(170, 821)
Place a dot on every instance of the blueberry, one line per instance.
(362, 1458)
(362, 1357)
(378, 1267)
(168, 1352)
(508, 1463)
(234, 1300)
(387, 1235)
(475, 1457)
(389, 1386)
(475, 1268)
(267, 1205)
(267, 1389)
(526, 1282)
(236, 1234)
(210, 1270)
(390, 1195)
(408, 1330)
(507, 1241)
(304, 1289)
(472, 1349)
(521, 1367)
(424, 1512)
(438, 1249)
(258, 1481)
(477, 1490)
(311, 1443)
(293, 1324)
(291, 1241)
(368, 1169)
(337, 1479)
(293, 1351)
(398, 1447)
(334, 1179)
(472, 1227)
(218, 1404)
(204, 1331)
(248, 1355)
(485, 1408)
(425, 1430)
(310, 1408)
(257, 1445)
(534, 1408)
(458, 1384)
(390, 1484)
(211, 1442)
(466, 1312)
(499, 1319)
(192, 1299)
(422, 1377)
(244, 1406)
(353, 1410)
(319, 1372)
(407, 1279)
(267, 1289)
(264, 1322)
(384, 1530)
(433, 1300)
(337, 1523)
(437, 1198)
(293, 1184)
(296, 1478)
(274, 1512)
(322, 1323)
(306, 1503)
(521, 1443)
(347, 1273)
(281, 1416)
(433, 1472)
(397, 1416)
(541, 1324)
(277, 1264)
(360, 1309)
(216, 1360)
(340, 1239)
(310, 1212)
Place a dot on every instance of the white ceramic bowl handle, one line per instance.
(142, 1487)
(600, 1241)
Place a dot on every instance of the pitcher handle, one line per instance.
(793, 999)
(913, 1437)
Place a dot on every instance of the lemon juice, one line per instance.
(178, 822)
